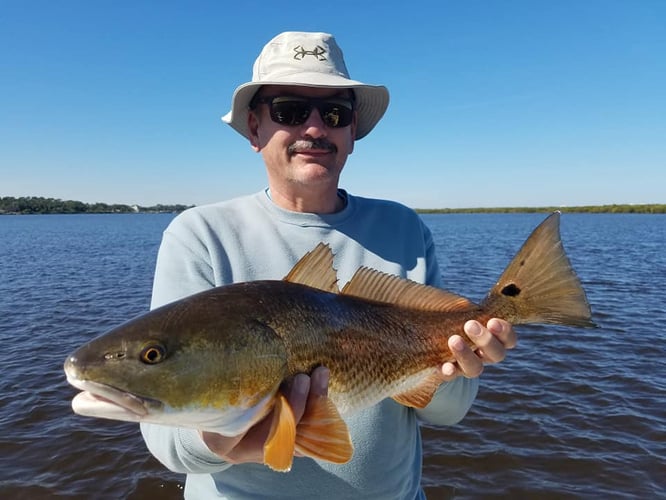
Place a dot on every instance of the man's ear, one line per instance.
(253, 127)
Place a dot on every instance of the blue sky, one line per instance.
(493, 102)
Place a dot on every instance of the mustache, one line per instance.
(306, 144)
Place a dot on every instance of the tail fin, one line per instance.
(539, 285)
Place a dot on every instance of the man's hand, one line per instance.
(491, 341)
(249, 447)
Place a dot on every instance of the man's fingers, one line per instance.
(503, 330)
(490, 348)
(319, 381)
(302, 388)
(469, 364)
(297, 393)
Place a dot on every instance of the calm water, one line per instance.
(571, 413)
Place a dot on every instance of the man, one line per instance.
(303, 113)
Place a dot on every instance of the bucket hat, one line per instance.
(305, 59)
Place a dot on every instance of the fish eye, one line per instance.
(152, 354)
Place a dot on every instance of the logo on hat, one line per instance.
(318, 53)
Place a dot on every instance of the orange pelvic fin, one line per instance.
(322, 434)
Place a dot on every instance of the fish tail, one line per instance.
(539, 284)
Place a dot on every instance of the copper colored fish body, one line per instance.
(215, 360)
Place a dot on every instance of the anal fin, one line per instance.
(421, 395)
(322, 434)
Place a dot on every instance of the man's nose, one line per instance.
(314, 126)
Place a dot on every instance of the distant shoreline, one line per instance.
(651, 208)
(34, 205)
(37, 205)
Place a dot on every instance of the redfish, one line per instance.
(215, 360)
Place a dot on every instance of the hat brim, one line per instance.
(371, 100)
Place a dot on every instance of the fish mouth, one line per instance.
(106, 401)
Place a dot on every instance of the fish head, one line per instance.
(180, 367)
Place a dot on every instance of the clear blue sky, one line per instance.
(493, 102)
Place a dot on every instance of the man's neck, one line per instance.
(313, 202)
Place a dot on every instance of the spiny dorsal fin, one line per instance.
(375, 285)
(315, 269)
(280, 444)
(322, 433)
(420, 396)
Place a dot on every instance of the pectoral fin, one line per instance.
(279, 447)
(322, 433)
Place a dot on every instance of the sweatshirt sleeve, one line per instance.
(181, 450)
(451, 402)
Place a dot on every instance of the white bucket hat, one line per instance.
(308, 60)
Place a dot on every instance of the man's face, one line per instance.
(309, 154)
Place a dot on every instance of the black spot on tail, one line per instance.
(511, 290)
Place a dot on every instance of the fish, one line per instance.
(216, 360)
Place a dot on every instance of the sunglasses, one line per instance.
(335, 112)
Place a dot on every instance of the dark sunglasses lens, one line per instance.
(296, 112)
(335, 115)
(290, 112)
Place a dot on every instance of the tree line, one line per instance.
(649, 208)
(41, 205)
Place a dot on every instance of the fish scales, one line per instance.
(368, 348)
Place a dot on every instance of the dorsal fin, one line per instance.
(315, 269)
(375, 285)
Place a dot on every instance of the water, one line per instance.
(571, 413)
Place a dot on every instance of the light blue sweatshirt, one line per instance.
(251, 238)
